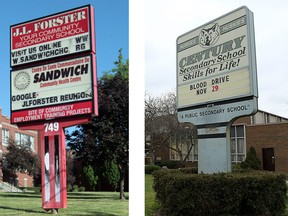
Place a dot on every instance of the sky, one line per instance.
(111, 24)
(165, 20)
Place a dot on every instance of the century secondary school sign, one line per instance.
(57, 35)
(217, 83)
(216, 62)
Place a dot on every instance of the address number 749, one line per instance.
(51, 127)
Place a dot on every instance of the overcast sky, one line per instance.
(165, 20)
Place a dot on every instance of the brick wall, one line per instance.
(243, 120)
(162, 154)
(22, 177)
(5, 124)
(270, 136)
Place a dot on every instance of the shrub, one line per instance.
(37, 189)
(151, 168)
(251, 161)
(81, 189)
(250, 193)
(75, 188)
(237, 168)
(169, 164)
(189, 170)
(69, 188)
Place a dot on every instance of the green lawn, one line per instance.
(151, 206)
(81, 203)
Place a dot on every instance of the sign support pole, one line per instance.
(53, 164)
(213, 126)
(214, 149)
(53, 159)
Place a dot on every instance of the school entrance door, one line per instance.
(268, 159)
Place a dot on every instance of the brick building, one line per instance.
(20, 136)
(266, 132)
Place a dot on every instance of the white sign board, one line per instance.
(54, 90)
(217, 62)
(219, 113)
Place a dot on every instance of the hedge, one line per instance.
(251, 193)
(151, 168)
(169, 164)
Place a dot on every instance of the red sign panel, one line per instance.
(57, 35)
(54, 90)
(79, 108)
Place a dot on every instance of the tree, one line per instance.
(20, 158)
(163, 128)
(70, 175)
(160, 119)
(112, 174)
(91, 176)
(112, 123)
(184, 140)
(105, 137)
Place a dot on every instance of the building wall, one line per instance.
(163, 155)
(262, 117)
(263, 130)
(266, 130)
(23, 179)
(270, 136)
(243, 120)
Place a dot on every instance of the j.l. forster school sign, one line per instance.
(216, 64)
(54, 86)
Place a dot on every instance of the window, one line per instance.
(23, 139)
(252, 118)
(238, 143)
(18, 138)
(5, 137)
(184, 147)
(31, 143)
